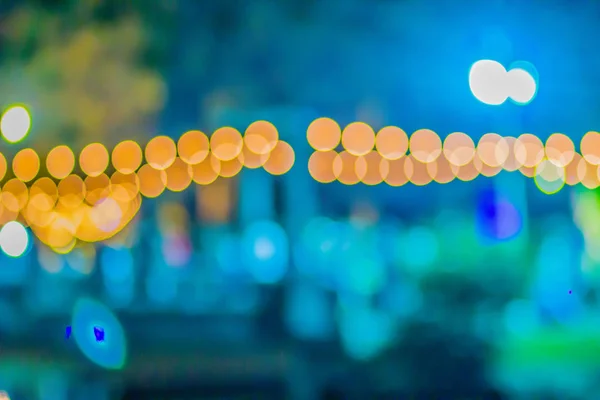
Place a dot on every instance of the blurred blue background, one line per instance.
(279, 287)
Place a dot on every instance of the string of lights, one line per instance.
(98, 199)
(357, 154)
(353, 155)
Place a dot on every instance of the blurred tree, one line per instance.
(89, 70)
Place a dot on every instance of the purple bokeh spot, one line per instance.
(497, 218)
(508, 220)
(99, 334)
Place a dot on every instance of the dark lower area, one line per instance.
(249, 391)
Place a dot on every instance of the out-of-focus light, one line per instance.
(549, 178)
(50, 261)
(420, 248)
(358, 138)
(14, 195)
(525, 81)
(497, 218)
(231, 168)
(193, 147)
(3, 166)
(492, 84)
(425, 146)
(265, 251)
(307, 312)
(177, 250)
(81, 260)
(116, 264)
(179, 175)
(324, 134)
(124, 187)
(71, 192)
(590, 147)
(364, 275)
(487, 80)
(60, 162)
(391, 142)
(110, 353)
(226, 143)
(281, 159)
(459, 149)
(320, 166)
(94, 159)
(14, 239)
(522, 86)
(318, 249)
(42, 196)
(26, 165)
(344, 168)
(173, 219)
(152, 181)
(365, 332)
(160, 152)
(15, 124)
(372, 168)
(261, 137)
(127, 157)
(560, 150)
(106, 215)
(214, 203)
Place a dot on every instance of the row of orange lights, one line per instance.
(357, 154)
(97, 207)
(227, 152)
(372, 157)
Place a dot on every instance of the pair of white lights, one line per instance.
(492, 84)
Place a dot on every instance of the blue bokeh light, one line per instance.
(365, 332)
(110, 353)
(420, 248)
(116, 264)
(497, 218)
(308, 313)
(265, 251)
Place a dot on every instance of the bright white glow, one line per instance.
(522, 86)
(488, 82)
(491, 84)
(15, 124)
(14, 239)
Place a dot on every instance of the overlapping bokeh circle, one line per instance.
(64, 197)
(109, 353)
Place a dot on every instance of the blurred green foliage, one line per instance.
(89, 70)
